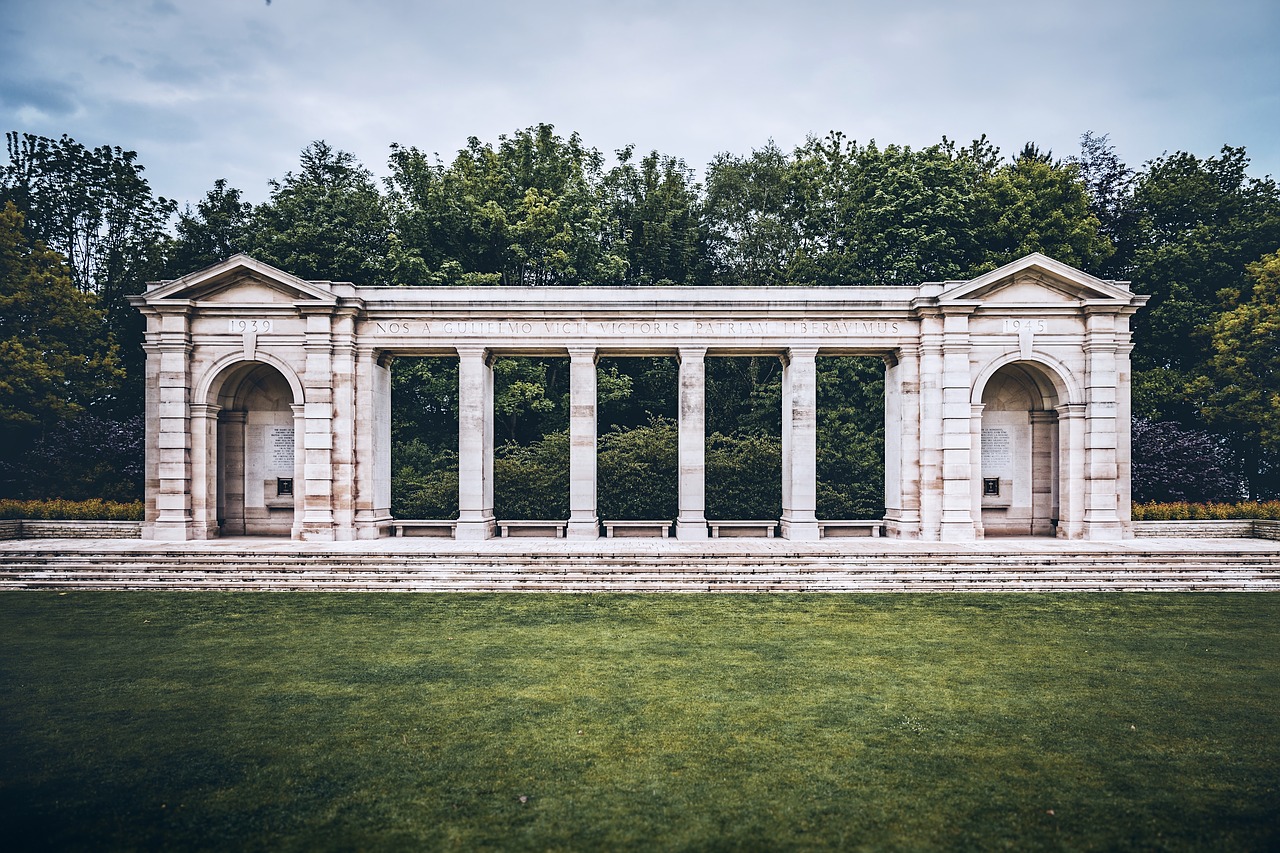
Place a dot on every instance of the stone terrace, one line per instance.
(639, 565)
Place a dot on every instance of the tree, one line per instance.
(529, 212)
(1173, 463)
(94, 207)
(56, 359)
(217, 228)
(1036, 204)
(327, 221)
(657, 205)
(1244, 395)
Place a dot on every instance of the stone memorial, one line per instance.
(1006, 396)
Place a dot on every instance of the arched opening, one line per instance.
(1019, 458)
(257, 483)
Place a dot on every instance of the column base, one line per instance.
(472, 531)
(693, 528)
(582, 529)
(800, 530)
(172, 531)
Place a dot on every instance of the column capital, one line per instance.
(801, 353)
(580, 354)
(684, 354)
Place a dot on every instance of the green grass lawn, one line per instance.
(925, 722)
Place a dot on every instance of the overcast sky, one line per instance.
(204, 89)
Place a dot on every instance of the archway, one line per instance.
(257, 480)
(1019, 457)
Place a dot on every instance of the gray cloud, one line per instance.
(236, 88)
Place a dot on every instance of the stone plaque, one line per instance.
(280, 450)
(997, 452)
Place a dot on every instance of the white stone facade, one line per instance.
(1006, 397)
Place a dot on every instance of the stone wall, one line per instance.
(1207, 529)
(42, 529)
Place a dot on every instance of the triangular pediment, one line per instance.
(1037, 280)
(241, 280)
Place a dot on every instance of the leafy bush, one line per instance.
(532, 481)
(637, 471)
(90, 510)
(744, 476)
(425, 482)
(1185, 511)
(1172, 463)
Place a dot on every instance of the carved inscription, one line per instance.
(640, 328)
(997, 452)
(280, 450)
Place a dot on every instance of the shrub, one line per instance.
(636, 471)
(532, 481)
(744, 476)
(1173, 463)
(1186, 511)
(90, 510)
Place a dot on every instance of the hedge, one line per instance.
(53, 510)
(1184, 511)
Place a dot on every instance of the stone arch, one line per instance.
(254, 458)
(1020, 451)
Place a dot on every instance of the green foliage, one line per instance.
(56, 358)
(424, 480)
(744, 476)
(327, 221)
(637, 472)
(1185, 511)
(532, 481)
(88, 510)
(218, 227)
(1244, 391)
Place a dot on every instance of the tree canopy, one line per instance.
(537, 208)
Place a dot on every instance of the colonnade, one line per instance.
(476, 519)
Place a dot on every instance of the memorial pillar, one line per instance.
(230, 474)
(691, 523)
(800, 444)
(315, 437)
(1071, 486)
(584, 522)
(344, 426)
(957, 427)
(372, 443)
(902, 444)
(1044, 472)
(1124, 434)
(204, 471)
(299, 468)
(931, 427)
(1101, 512)
(475, 444)
(173, 419)
(975, 455)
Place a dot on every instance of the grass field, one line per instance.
(301, 721)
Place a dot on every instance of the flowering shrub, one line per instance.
(90, 510)
(1184, 511)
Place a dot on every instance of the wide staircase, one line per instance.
(1221, 566)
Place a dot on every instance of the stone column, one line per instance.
(372, 443)
(1071, 487)
(314, 436)
(975, 455)
(344, 426)
(475, 444)
(800, 444)
(902, 444)
(230, 470)
(299, 469)
(957, 428)
(1044, 446)
(584, 521)
(204, 471)
(173, 435)
(1101, 512)
(931, 427)
(692, 444)
(1124, 435)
